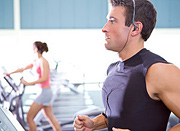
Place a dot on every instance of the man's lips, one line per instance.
(107, 37)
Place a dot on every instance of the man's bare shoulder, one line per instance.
(162, 78)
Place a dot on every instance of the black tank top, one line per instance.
(126, 101)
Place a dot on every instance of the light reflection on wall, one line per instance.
(79, 52)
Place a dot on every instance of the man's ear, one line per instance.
(138, 28)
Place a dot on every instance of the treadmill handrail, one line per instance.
(11, 83)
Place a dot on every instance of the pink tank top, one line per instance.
(37, 66)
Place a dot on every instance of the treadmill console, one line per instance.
(8, 122)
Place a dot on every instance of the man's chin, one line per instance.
(107, 46)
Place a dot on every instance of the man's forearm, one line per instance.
(100, 122)
(175, 128)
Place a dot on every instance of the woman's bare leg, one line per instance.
(34, 109)
(48, 111)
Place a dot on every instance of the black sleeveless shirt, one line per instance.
(126, 101)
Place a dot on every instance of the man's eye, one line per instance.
(112, 21)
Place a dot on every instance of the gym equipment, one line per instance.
(16, 106)
(3, 94)
(6, 93)
(67, 104)
(8, 122)
(66, 120)
(173, 120)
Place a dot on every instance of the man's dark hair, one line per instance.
(144, 12)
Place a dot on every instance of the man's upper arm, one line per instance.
(167, 85)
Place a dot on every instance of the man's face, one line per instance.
(116, 33)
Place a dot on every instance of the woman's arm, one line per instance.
(20, 69)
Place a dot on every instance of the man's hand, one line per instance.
(83, 123)
(116, 129)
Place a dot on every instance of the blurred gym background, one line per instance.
(72, 30)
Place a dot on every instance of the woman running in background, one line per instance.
(43, 100)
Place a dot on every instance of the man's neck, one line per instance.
(131, 50)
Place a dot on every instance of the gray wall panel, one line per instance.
(168, 15)
(57, 14)
(6, 14)
(73, 14)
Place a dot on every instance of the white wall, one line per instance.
(80, 51)
(166, 42)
